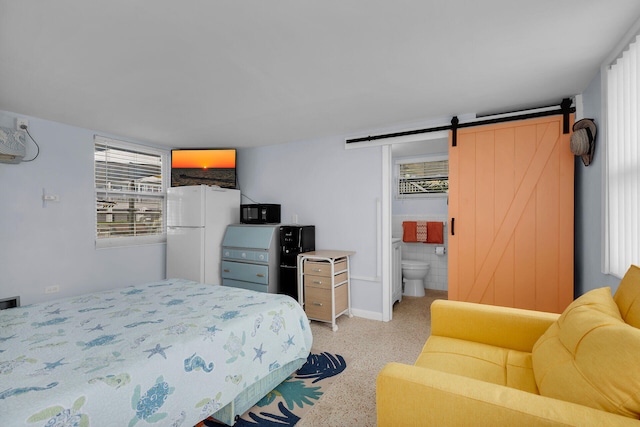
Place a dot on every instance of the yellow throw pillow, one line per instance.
(627, 296)
(590, 357)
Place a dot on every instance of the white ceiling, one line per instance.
(248, 73)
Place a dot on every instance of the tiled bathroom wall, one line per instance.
(437, 276)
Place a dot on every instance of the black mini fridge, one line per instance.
(294, 239)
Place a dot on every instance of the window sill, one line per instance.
(421, 196)
(125, 242)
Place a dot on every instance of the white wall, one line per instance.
(49, 245)
(336, 190)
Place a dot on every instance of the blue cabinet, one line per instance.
(250, 257)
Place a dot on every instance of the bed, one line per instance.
(169, 353)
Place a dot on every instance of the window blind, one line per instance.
(430, 177)
(130, 193)
(623, 162)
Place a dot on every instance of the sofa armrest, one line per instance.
(506, 327)
(415, 396)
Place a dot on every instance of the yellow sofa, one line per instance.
(496, 366)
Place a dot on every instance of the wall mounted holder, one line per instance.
(48, 198)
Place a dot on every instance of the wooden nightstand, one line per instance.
(324, 285)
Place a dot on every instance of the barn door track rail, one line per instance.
(564, 108)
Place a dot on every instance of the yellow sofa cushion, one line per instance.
(483, 362)
(590, 356)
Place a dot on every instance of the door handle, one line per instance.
(453, 226)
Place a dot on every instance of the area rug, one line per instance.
(286, 404)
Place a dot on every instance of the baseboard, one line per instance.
(371, 315)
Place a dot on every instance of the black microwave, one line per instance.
(260, 213)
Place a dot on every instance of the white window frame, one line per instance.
(621, 109)
(151, 191)
(420, 159)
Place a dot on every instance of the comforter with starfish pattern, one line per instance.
(168, 353)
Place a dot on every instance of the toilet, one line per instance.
(413, 275)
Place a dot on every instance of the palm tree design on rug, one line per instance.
(294, 391)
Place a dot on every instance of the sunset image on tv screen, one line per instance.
(208, 167)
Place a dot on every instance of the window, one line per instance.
(622, 214)
(130, 184)
(422, 176)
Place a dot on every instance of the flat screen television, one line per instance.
(208, 166)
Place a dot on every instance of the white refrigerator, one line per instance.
(197, 217)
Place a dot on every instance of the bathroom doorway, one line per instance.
(395, 209)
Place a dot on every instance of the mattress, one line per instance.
(167, 353)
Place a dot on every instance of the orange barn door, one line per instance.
(511, 215)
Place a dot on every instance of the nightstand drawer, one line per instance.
(324, 282)
(323, 268)
(318, 301)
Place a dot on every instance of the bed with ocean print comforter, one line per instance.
(169, 353)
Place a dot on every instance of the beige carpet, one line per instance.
(368, 345)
